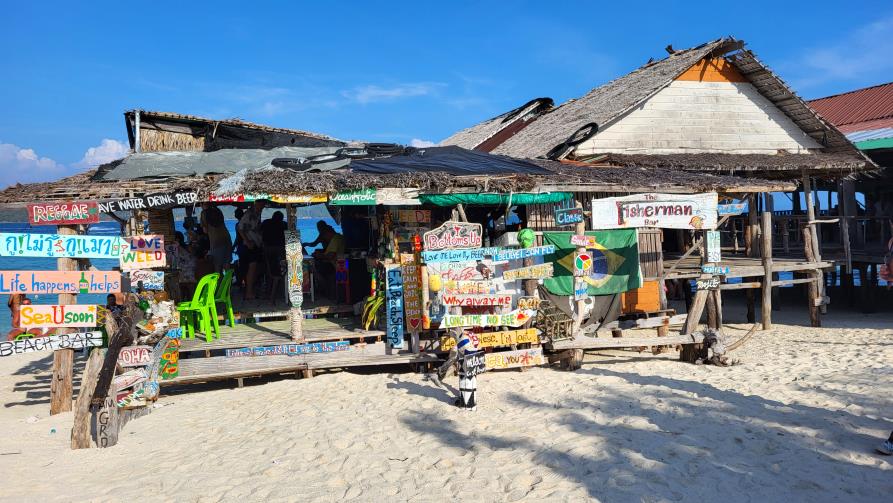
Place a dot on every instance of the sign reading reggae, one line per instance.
(86, 212)
(613, 261)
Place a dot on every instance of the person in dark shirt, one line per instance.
(272, 232)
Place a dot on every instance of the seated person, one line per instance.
(111, 304)
(326, 258)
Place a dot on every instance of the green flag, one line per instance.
(615, 259)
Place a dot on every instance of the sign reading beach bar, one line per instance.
(86, 212)
(667, 211)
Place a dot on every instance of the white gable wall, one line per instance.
(695, 117)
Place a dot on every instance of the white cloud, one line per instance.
(421, 143)
(375, 94)
(23, 165)
(107, 151)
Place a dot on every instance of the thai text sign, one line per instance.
(454, 236)
(497, 339)
(160, 200)
(143, 252)
(458, 255)
(86, 212)
(135, 356)
(477, 300)
(514, 359)
(394, 307)
(43, 316)
(290, 349)
(669, 211)
(412, 292)
(521, 253)
(360, 197)
(59, 282)
(474, 364)
(515, 318)
(150, 280)
(530, 272)
(714, 251)
(65, 341)
(14, 244)
(568, 216)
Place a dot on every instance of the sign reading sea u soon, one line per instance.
(42, 316)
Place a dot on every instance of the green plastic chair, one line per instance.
(222, 295)
(201, 311)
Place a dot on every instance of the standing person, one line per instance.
(273, 236)
(186, 267)
(219, 240)
(325, 259)
(249, 228)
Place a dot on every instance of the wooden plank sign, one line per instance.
(158, 200)
(477, 300)
(531, 272)
(169, 362)
(581, 288)
(583, 240)
(568, 216)
(460, 271)
(497, 339)
(515, 359)
(150, 280)
(716, 270)
(474, 364)
(55, 282)
(514, 318)
(668, 211)
(86, 212)
(522, 253)
(468, 287)
(532, 303)
(79, 340)
(135, 356)
(583, 264)
(412, 292)
(708, 284)
(290, 349)
(143, 252)
(17, 244)
(414, 216)
(731, 209)
(49, 316)
(130, 378)
(294, 255)
(394, 307)
(458, 255)
(714, 251)
(454, 236)
(359, 197)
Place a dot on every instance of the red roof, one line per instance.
(859, 110)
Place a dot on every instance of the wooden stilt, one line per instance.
(766, 250)
(691, 352)
(751, 246)
(813, 293)
(63, 359)
(814, 234)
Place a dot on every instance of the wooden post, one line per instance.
(579, 228)
(80, 429)
(691, 352)
(767, 270)
(752, 242)
(813, 229)
(63, 359)
(812, 286)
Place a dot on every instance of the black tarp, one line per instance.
(453, 160)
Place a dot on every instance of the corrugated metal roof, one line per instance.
(872, 134)
(858, 106)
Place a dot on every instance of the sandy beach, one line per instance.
(797, 420)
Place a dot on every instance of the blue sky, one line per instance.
(398, 71)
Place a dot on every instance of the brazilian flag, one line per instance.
(615, 262)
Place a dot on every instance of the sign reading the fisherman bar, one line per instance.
(515, 318)
(454, 236)
(59, 282)
(160, 200)
(52, 342)
(86, 212)
(668, 211)
(48, 316)
(497, 339)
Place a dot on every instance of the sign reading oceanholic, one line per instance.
(668, 211)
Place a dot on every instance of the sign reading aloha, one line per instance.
(454, 236)
(86, 212)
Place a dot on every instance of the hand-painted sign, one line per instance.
(79, 340)
(583, 240)
(583, 264)
(169, 362)
(714, 251)
(468, 287)
(669, 211)
(290, 349)
(731, 209)
(497, 339)
(458, 255)
(521, 253)
(143, 252)
(460, 271)
(294, 256)
(708, 284)
(397, 197)
(394, 307)
(412, 292)
(160, 200)
(477, 300)
(515, 318)
(474, 364)
(581, 289)
(360, 197)
(130, 378)
(515, 359)
(150, 280)
(86, 212)
(530, 272)
(715, 269)
(48, 316)
(529, 303)
(454, 236)
(135, 356)
(291, 198)
(14, 244)
(59, 282)
(414, 216)
(568, 216)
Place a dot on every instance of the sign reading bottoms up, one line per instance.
(667, 211)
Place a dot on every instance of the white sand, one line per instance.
(796, 421)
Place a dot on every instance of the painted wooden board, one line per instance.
(16, 244)
(414, 216)
(453, 236)
(158, 200)
(476, 300)
(48, 316)
(135, 356)
(458, 255)
(522, 253)
(581, 288)
(583, 240)
(461, 271)
(668, 211)
(151, 280)
(515, 359)
(78, 340)
(169, 361)
(531, 303)
(290, 349)
(394, 307)
(130, 378)
(69, 213)
(359, 197)
(717, 270)
(474, 364)
(390, 196)
(568, 216)
(583, 262)
(55, 282)
(143, 252)
(318, 197)
(294, 255)
(531, 272)
(731, 209)
(714, 252)
(514, 318)
(412, 292)
(496, 339)
(708, 284)
(468, 287)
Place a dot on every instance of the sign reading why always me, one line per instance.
(44, 316)
(14, 244)
(159, 200)
(143, 252)
(135, 356)
(59, 282)
(86, 212)
(514, 359)
(65, 341)
(454, 236)
(668, 211)
(515, 318)
(568, 216)
(477, 300)
(522, 253)
(394, 307)
(497, 339)
(430, 257)
(531, 272)
(150, 280)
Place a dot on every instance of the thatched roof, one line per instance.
(831, 164)
(473, 137)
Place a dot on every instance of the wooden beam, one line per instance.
(814, 231)
(812, 286)
(767, 267)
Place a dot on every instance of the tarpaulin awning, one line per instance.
(452, 160)
(494, 199)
